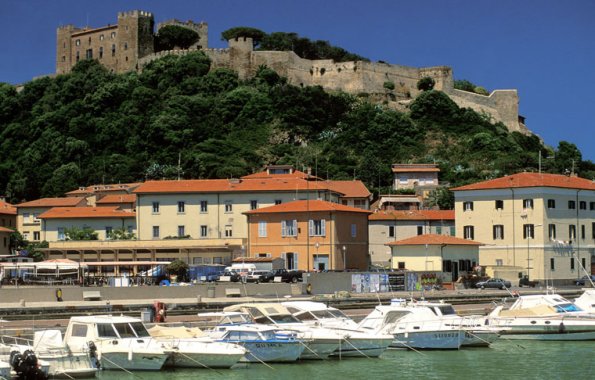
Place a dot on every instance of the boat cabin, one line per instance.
(265, 313)
(81, 330)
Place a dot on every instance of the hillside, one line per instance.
(91, 126)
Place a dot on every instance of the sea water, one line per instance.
(503, 360)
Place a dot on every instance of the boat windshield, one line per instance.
(567, 307)
(124, 330)
(338, 313)
(140, 330)
(242, 335)
(284, 318)
(447, 310)
(106, 330)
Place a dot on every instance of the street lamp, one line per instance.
(344, 257)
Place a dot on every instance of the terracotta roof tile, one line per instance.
(350, 189)
(306, 206)
(225, 185)
(85, 212)
(432, 239)
(7, 209)
(4, 229)
(53, 202)
(117, 198)
(531, 180)
(413, 215)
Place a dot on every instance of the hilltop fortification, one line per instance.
(128, 45)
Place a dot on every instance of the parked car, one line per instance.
(284, 274)
(256, 275)
(495, 283)
(524, 281)
(230, 276)
(585, 280)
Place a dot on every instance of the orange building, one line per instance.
(310, 234)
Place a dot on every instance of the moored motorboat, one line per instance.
(64, 363)
(4, 370)
(544, 317)
(116, 342)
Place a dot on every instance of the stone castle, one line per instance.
(128, 46)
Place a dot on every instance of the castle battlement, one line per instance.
(135, 13)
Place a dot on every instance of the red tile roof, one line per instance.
(413, 215)
(103, 188)
(350, 189)
(117, 198)
(531, 180)
(4, 229)
(305, 206)
(432, 239)
(7, 208)
(414, 168)
(225, 185)
(53, 202)
(85, 212)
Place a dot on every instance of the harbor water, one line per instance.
(504, 360)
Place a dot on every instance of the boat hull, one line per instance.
(76, 365)
(362, 347)
(272, 352)
(480, 338)
(319, 349)
(429, 340)
(135, 361)
(185, 359)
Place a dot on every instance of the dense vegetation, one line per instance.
(171, 36)
(92, 126)
(465, 85)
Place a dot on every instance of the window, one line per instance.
(468, 232)
(36, 235)
(5, 242)
(78, 56)
(552, 264)
(551, 230)
(63, 58)
(228, 207)
(583, 230)
(181, 231)
(100, 52)
(499, 262)
(181, 207)
(528, 231)
(228, 231)
(467, 206)
(572, 263)
(401, 265)
(420, 230)
(262, 228)
(353, 230)
(571, 205)
(61, 235)
(113, 35)
(583, 262)
(26, 217)
(203, 206)
(278, 201)
(572, 232)
(89, 54)
(498, 232)
(593, 230)
(391, 231)
(499, 204)
(253, 205)
(289, 228)
(582, 205)
(113, 50)
(101, 37)
(551, 203)
(108, 232)
(155, 207)
(591, 206)
(203, 231)
(125, 45)
(528, 203)
(438, 230)
(155, 232)
(129, 229)
(89, 40)
(77, 42)
(317, 227)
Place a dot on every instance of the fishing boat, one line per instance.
(264, 344)
(357, 342)
(544, 317)
(190, 348)
(413, 327)
(116, 342)
(319, 342)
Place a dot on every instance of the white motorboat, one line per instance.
(264, 344)
(320, 342)
(413, 327)
(477, 332)
(189, 349)
(357, 342)
(544, 317)
(116, 342)
(5, 370)
(22, 361)
(64, 363)
(586, 301)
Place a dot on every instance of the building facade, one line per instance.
(387, 226)
(540, 225)
(28, 222)
(310, 235)
(415, 176)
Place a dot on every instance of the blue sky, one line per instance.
(543, 48)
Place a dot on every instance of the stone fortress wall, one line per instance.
(358, 78)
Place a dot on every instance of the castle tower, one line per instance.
(135, 38)
(64, 48)
(240, 52)
(202, 29)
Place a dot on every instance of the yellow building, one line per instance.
(435, 253)
(28, 222)
(8, 216)
(540, 225)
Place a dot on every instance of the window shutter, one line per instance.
(311, 227)
(283, 228)
(294, 232)
(322, 227)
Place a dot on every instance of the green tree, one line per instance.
(178, 268)
(121, 234)
(568, 157)
(442, 197)
(465, 85)
(78, 234)
(243, 31)
(170, 36)
(426, 84)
